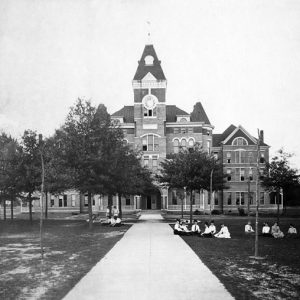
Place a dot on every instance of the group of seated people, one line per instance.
(273, 231)
(113, 221)
(181, 228)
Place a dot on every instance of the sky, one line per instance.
(240, 59)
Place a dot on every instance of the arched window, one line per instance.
(191, 143)
(149, 60)
(176, 146)
(239, 141)
(150, 143)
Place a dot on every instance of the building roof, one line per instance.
(172, 111)
(219, 138)
(126, 112)
(143, 69)
(198, 114)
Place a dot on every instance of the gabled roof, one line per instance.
(154, 69)
(126, 112)
(231, 133)
(173, 111)
(198, 114)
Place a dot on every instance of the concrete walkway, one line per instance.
(149, 262)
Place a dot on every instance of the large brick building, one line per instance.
(157, 128)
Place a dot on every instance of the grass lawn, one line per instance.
(277, 276)
(71, 250)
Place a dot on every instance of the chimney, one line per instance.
(261, 136)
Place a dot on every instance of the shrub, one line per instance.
(215, 212)
(241, 211)
(197, 212)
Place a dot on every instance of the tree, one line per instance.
(191, 169)
(29, 169)
(279, 175)
(127, 176)
(9, 160)
(88, 142)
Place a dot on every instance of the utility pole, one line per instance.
(41, 146)
(210, 191)
(249, 195)
(257, 197)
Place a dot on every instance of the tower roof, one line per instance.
(154, 68)
(199, 115)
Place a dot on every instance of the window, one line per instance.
(262, 158)
(176, 146)
(228, 174)
(146, 161)
(237, 174)
(250, 158)
(261, 173)
(240, 156)
(191, 143)
(190, 130)
(183, 130)
(251, 198)
(150, 112)
(86, 200)
(242, 198)
(65, 200)
(242, 175)
(149, 60)
(60, 201)
(176, 130)
(239, 141)
(229, 200)
(127, 201)
(228, 157)
(73, 200)
(216, 155)
(237, 198)
(154, 162)
(262, 198)
(52, 201)
(174, 197)
(216, 199)
(183, 120)
(250, 174)
(150, 143)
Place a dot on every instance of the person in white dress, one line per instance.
(223, 233)
(212, 227)
(207, 231)
(266, 230)
(248, 228)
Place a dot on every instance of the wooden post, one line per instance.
(257, 198)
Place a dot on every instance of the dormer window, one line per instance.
(149, 60)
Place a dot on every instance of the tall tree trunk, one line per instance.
(30, 207)
(182, 198)
(277, 202)
(191, 207)
(4, 209)
(46, 205)
(11, 208)
(90, 210)
(110, 204)
(120, 205)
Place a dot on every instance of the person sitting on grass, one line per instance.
(276, 232)
(266, 230)
(207, 231)
(292, 231)
(184, 227)
(223, 233)
(117, 222)
(248, 228)
(195, 228)
(212, 227)
(177, 229)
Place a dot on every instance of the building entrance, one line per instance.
(152, 201)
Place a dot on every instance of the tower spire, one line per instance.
(149, 40)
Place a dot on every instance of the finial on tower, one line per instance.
(149, 41)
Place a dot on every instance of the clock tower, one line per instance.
(149, 88)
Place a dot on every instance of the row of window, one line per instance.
(151, 161)
(63, 201)
(183, 130)
(242, 174)
(243, 156)
(242, 198)
(182, 144)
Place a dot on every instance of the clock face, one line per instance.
(149, 102)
